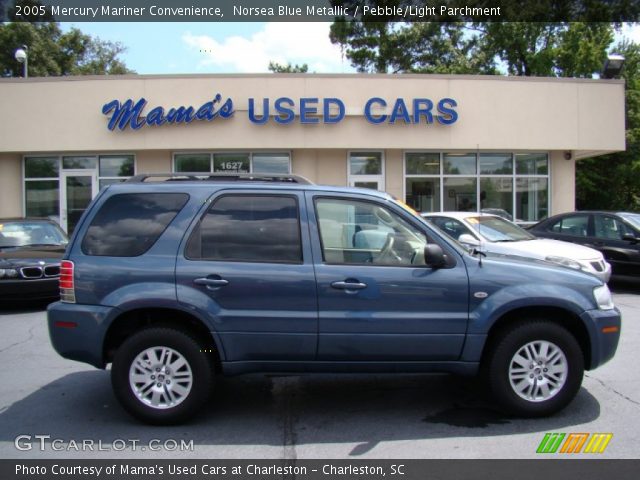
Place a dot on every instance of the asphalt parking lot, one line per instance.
(328, 416)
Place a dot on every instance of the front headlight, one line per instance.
(567, 262)
(603, 298)
(8, 273)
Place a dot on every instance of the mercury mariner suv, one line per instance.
(176, 278)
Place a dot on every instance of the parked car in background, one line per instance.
(30, 253)
(495, 234)
(616, 235)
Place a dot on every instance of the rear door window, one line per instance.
(575, 225)
(249, 228)
(128, 225)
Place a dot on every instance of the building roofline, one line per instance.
(377, 76)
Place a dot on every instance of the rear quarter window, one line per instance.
(127, 225)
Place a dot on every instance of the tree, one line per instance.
(54, 53)
(400, 47)
(276, 67)
(596, 176)
(575, 49)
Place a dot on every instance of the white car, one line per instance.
(494, 234)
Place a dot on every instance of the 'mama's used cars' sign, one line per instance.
(282, 110)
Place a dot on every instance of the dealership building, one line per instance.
(439, 142)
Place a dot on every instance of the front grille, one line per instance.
(52, 271)
(598, 266)
(31, 273)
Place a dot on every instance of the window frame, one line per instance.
(213, 201)
(212, 153)
(160, 234)
(451, 261)
(514, 176)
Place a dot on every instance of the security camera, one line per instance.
(567, 155)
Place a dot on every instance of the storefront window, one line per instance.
(192, 162)
(516, 183)
(496, 163)
(460, 163)
(42, 198)
(41, 167)
(532, 198)
(78, 162)
(231, 162)
(365, 163)
(460, 194)
(532, 164)
(423, 164)
(497, 193)
(116, 165)
(271, 163)
(423, 194)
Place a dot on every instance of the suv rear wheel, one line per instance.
(161, 376)
(535, 368)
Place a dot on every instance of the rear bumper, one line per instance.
(22, 289)
(77, 331)
(603, 345)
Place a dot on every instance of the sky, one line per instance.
(226, 47)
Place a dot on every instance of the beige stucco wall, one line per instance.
(10, 185)
(504, 113)
(563, 183)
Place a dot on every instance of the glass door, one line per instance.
(366, 170)
(78, 189)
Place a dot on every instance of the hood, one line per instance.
(31, 255)
(542, 248)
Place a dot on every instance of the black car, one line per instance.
(30, 252)
(615, 234)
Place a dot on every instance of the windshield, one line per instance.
(632, 218)
(496, 229)
(23, 234)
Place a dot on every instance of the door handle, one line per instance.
(211, 283)
(348, 285)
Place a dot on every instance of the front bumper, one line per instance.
(603, 345)
(21, 289)
(77, 331)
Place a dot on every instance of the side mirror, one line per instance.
(630, 238)
(434, 256)
(468, 239)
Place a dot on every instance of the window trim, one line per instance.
(211, 154)
(58, 157)
(213, 201)
(479, 176)
(451, 260)
(86, 230)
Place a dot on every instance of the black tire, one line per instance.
(195, 393)
(499, 360)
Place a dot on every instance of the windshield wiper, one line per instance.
(506, 240)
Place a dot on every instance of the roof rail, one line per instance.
(217, 177)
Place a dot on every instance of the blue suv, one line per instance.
(175, 278)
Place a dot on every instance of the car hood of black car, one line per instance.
(30, 255)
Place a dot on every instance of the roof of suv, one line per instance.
(172, 181)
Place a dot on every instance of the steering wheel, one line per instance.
(387, 254)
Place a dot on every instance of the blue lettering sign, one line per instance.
(327, 110)
(448, 115)
(308, 107)
(128, 114)
(367, 110)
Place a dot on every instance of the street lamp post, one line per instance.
(22, 56)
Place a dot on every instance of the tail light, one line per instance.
(67, 290)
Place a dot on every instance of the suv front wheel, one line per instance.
(535, 368)
(161, 376)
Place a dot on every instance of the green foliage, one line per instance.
(612, 181)
(276, 67)
(54, 53)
